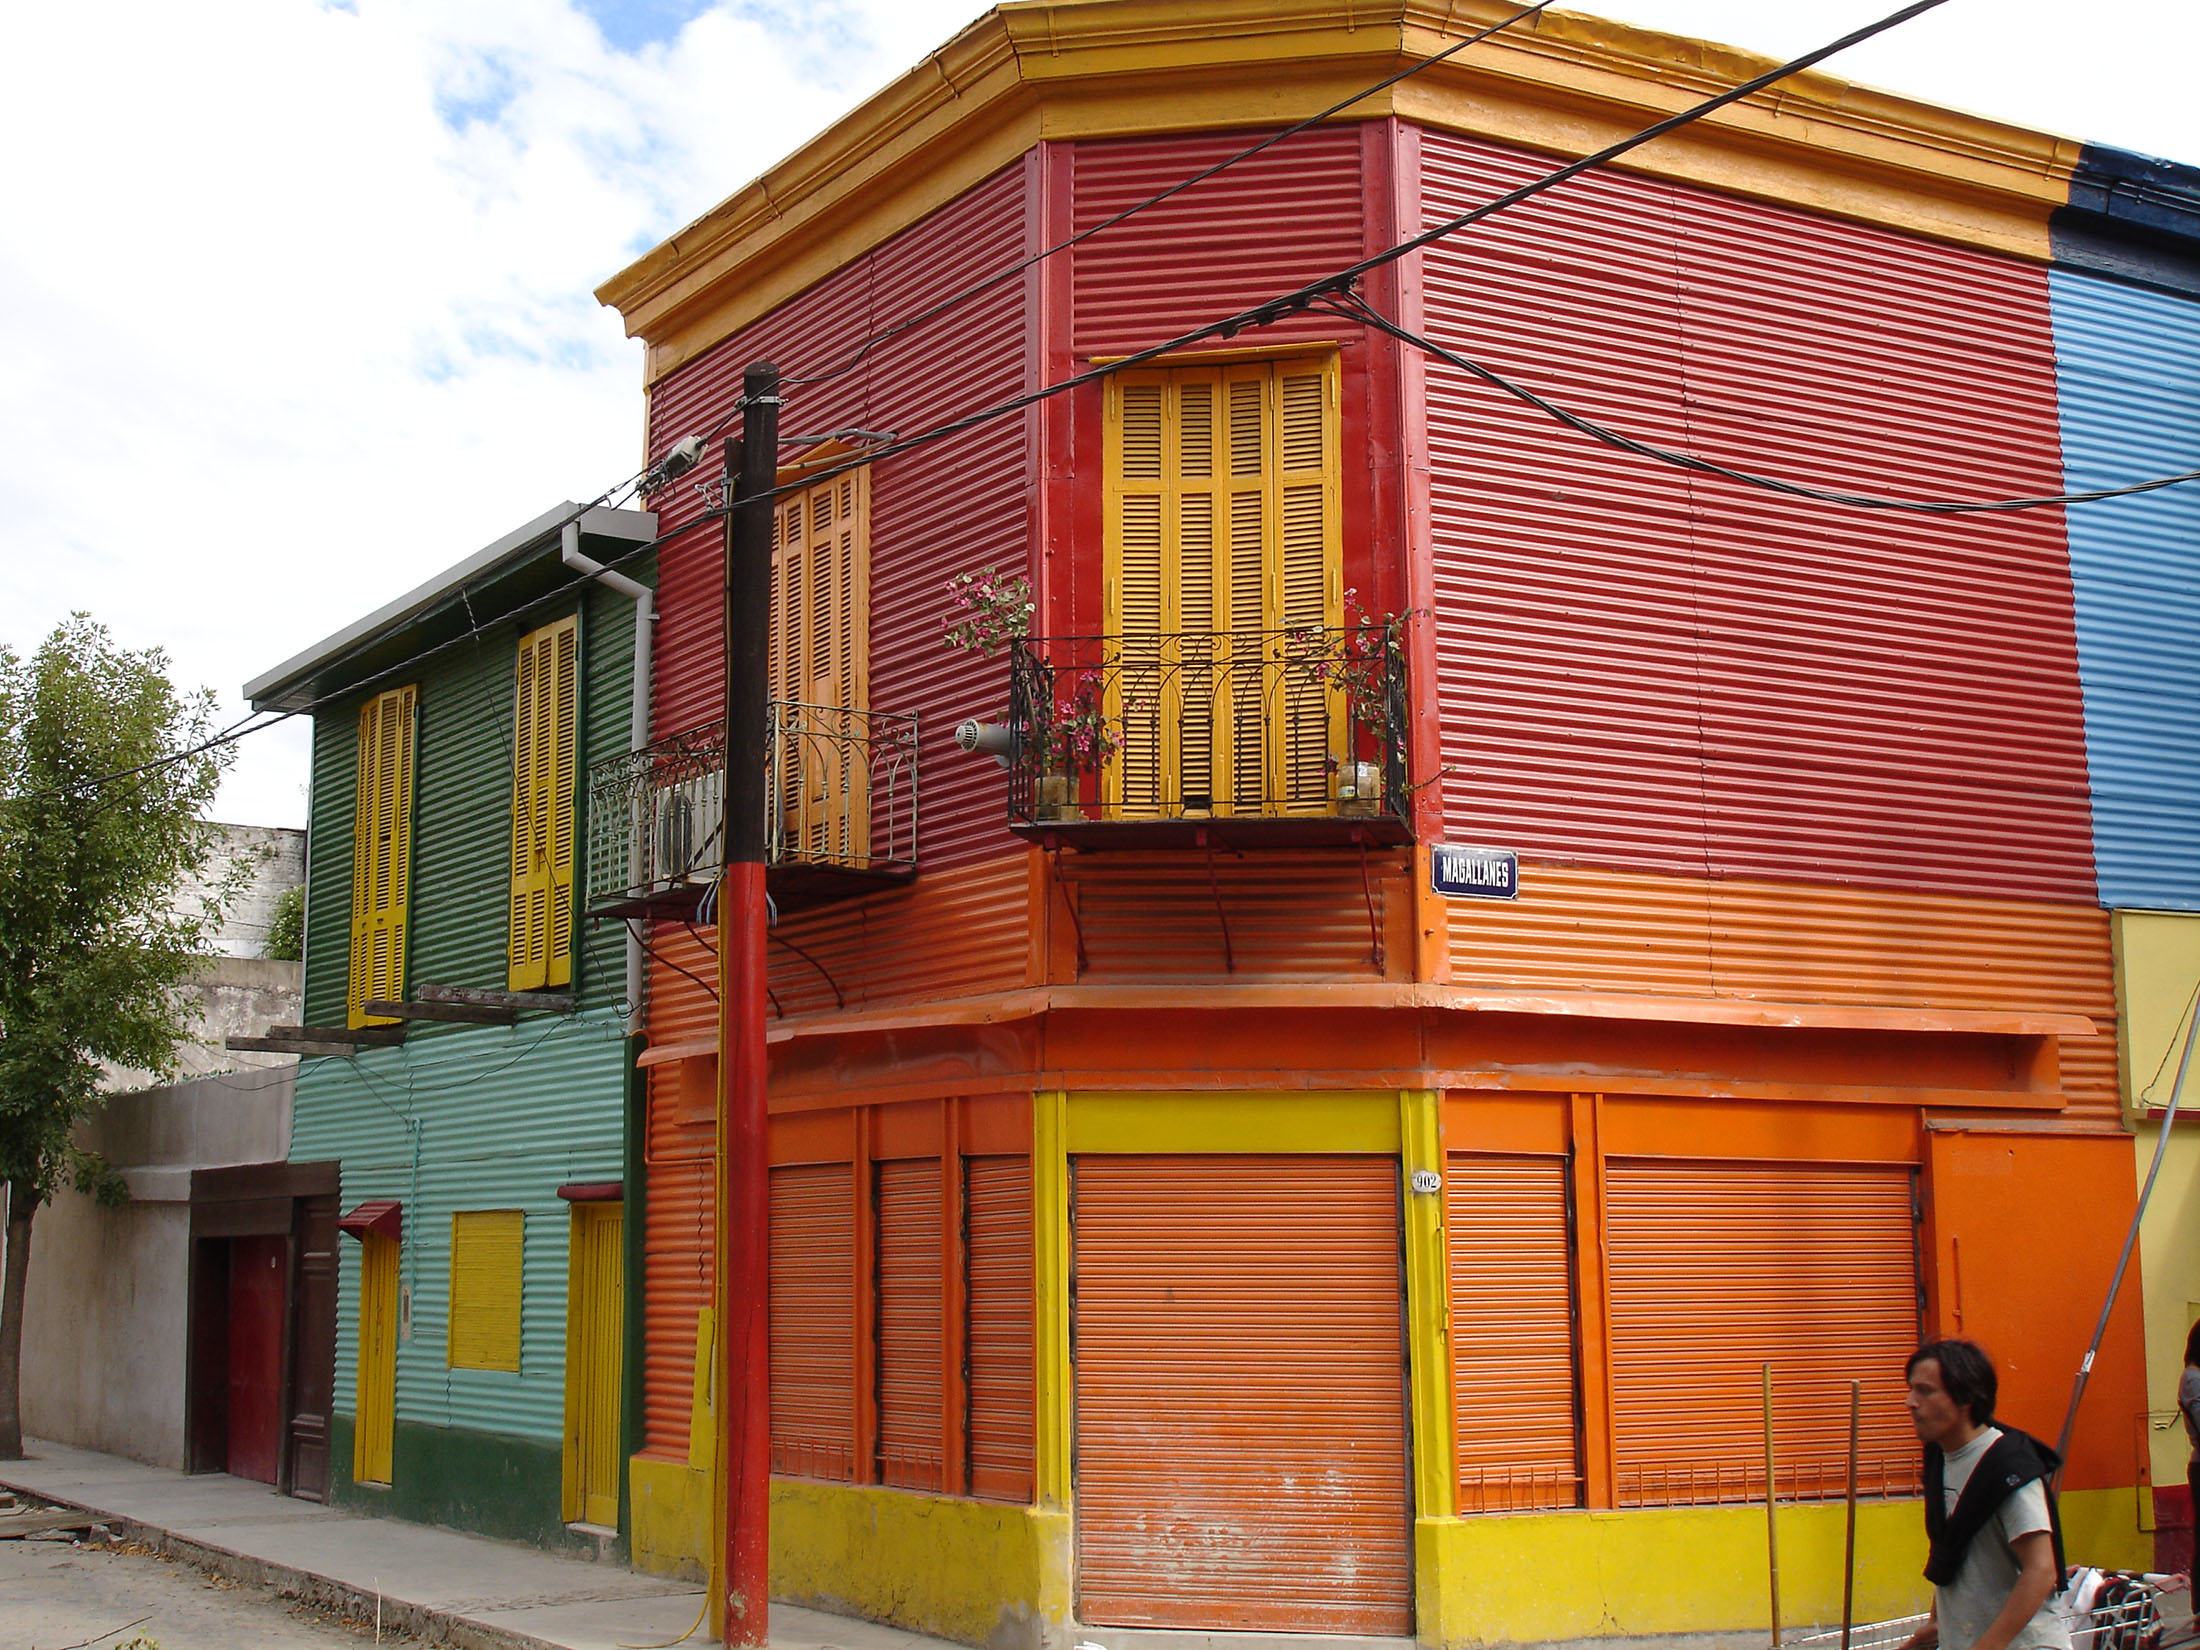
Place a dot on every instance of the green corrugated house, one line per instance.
(469, 1063)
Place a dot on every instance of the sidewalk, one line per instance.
(441, 1586)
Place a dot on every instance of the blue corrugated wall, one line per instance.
(2128, 370)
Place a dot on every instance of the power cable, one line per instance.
(1001, 277)
(1354, 307)
(1341, 282)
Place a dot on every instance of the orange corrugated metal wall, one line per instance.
(1240, 1394)
(813, 1289)
(1000, 1352)
(1507, 1219)
(910, 1323)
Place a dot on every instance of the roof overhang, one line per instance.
(298, 683)
(1561, 83)
(378, 1217)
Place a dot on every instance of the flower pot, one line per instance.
(1359, 787)
(1056, 802)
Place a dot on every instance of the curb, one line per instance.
(423, 1622)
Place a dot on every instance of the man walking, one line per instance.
(1996, 1555)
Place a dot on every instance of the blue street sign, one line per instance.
(1473, 873)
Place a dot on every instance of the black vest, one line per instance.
(2011, 1461)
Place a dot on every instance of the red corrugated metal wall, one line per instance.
(1672, 672)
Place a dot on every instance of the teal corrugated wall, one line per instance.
(504, 1116)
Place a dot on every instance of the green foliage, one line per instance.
(92, 949)
(286, 929)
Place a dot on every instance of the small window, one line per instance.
(486, 1250)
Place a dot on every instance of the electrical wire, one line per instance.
(1342, 281)
(1000, 277)
(642, 939)
(1354, 307)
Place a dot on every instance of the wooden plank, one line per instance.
(361, 1036)
(550, 1001)
(442, 1013)
(307, 1047)
(17, 1525)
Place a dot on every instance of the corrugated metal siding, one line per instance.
(1576, 928)
(1512, 1331)
(999, 1352)
(813, 1321)
(952, 506)
(910, 1324)
(2128, 372)
(1672, 672)
(507, 1115)
(1240, 1394)
(676, 1257)
(1717, 1269)
(1290, 915)
(1261, 228)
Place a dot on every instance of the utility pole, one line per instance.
(743, 1250)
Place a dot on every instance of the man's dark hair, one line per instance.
(2192, 1343)
(1966, 1372)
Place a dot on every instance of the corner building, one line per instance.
(1183, 1214)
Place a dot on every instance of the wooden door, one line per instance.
(258, 1273)
(374, 1436)
(1240, 1391)
(313, 1349)
(594, 1364)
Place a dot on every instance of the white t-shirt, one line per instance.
(1968, 1605)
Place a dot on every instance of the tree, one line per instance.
(93, 947)
(286, 929)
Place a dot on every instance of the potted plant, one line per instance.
(987, 611)
(1076, 738)
(1359, 661)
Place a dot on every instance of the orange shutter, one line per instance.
(1238, 1342)
(813, 1321)
(820, 668)
(909, 1324)
(1717, 1268)
(1512, 1332)
(997, 1215)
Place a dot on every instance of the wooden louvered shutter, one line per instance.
(1718, 1268)
(820, 669)
(1240, 1394)
(909, 1324)
(381, 863)
(1138, 783)
(813, 1320)
(545, 720)
(488, 1248)
(1512, 1332)
(999, 1350)
(1305, 581)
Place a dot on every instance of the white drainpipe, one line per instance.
(645, 625)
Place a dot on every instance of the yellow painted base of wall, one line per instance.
(977, 1572)
(671, 1517)
(2101, 1528)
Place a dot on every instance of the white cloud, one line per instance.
(295, 301)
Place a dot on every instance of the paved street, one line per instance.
(55, 1593)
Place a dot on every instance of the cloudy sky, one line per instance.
(295, 297)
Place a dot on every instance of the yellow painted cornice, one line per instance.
(1567, 84)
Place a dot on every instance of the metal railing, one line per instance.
(841, 793)
(1308, 722)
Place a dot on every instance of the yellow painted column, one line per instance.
(1050, 1276)
(1428, 1341)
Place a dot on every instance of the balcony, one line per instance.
(1231, 738)
(840, 814)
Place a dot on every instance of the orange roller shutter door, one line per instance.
(1241, 1458)
(909, 1323)
(813, 1321)
(1003, 1403)
(1718, 1268)
(1512, 1332)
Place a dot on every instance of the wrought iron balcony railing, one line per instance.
(1295, 734)
(840, 812)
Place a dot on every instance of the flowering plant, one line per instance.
(987, 610)
(1077, 736)
(1361, 659)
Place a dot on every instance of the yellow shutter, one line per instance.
(375, 1403)
(820, 668)
(1222, 535)
(487, 1246)
(381, 853)
(545, 739)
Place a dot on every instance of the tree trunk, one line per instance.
(21, 1207)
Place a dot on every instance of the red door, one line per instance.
(256, 1357)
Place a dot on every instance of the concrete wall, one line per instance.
(231, 996)
(276, 856)
(105, 1325)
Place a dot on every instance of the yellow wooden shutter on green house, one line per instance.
(1222, 535)
(487, 1247)
(381, 853)
(545, 745)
